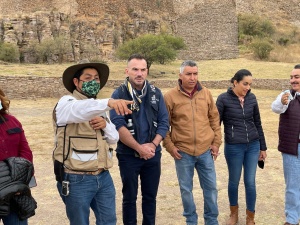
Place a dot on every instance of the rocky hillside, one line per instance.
(209, 27)
(279, 11)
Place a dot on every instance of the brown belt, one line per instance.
(84, 172)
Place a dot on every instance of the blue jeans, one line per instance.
(291, 168)
(131, 168)
(239, 156)
(90, 191)
(13, 219)
(205, 168)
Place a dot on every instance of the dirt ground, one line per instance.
(35, 116)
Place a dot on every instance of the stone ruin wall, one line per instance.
(209, 27)
(33, 87)
(210, 30)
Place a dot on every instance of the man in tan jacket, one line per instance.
(193, 141)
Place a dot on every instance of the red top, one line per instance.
(13, 142)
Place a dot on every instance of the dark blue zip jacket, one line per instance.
(241, 124)
(151, 119)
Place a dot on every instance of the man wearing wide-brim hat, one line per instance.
(82, 155)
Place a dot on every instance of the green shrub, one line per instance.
(51, 50)
(266, 27)
(90, 51)
(245, 39)
(261, 48)
(9, 52)
(162, 48)
(45, 51)
(283, 41)
(254, 25)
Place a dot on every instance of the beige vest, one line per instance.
(79, 147)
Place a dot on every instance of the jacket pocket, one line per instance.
(83, 154)
(105, 155)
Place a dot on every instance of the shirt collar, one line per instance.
(190, 94)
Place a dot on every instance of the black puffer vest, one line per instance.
(289, 127)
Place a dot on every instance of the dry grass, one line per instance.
(209, 69)
(36, 119)
(290, 53)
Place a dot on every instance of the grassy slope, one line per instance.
(209, 70)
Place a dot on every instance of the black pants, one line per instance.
(131, 168)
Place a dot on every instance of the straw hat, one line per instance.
(68, 75)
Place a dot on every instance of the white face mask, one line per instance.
(1, 107)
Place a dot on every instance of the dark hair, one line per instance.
(297, 66)
(136, 56)
(80, 72)
(239, 75)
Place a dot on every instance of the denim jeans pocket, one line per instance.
(74, 178)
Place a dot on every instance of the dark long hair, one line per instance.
(239, 75)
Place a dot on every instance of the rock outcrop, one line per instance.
(208, 27)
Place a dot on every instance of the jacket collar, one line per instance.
(78, 95)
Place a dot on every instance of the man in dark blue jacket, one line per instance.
(139, 150)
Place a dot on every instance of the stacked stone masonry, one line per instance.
(209, 27)
(32, 87)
